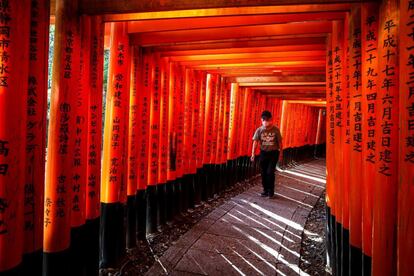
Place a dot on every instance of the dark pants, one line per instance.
(268, 161)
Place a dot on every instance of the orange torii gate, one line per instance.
(179, 122)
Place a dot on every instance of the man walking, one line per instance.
(270, 139)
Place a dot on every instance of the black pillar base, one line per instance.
(152, 199)
(185, 190)
(32, 263)
(141, 214)
(178, 206)
(203, 183)
(161, 203)
(169, 204)
(328, 233)
(345, 251)
(92, 247)
(338, 238)
(197, 187)
(131, 240)
(366, 264)
(78, 250)
(56, 263)
(112, 235)
(191, 190)
(355, 261)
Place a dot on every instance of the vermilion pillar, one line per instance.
(143, 110)
(94, 143)
(330, 151)
(405, 234)
(386, 167)
(356, 140)
(36, 136)
(61, 140)
(370, 86)
(132, 158)
(113, 186)
(13, 129)
(78, 179)
(153, 155)
(163, 144)
(172, 143)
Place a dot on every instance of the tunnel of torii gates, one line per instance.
(187, 81)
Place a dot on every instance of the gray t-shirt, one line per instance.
(270, 138)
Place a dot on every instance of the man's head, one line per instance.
(266, 118)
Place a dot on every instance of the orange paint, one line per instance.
(143, 124)
(95, 119)
(330, 126)
(133, 124)
(62, 130)
(180, 119)
(13, 129)
(386, 140)
(79, 154)
(113, 186)
(405, 234)
(164, 104)
(356, 134)
(36, 128)
(202, 115)
(370, 84)
(154, 121)
(188, 113)
(172, 123)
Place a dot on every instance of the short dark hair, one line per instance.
(266, 115)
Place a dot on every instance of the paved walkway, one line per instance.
(250, 235)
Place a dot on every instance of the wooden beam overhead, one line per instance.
(252, 60)
(269, 79)
(214, 34)
(256, 55)
(151, 9)
(157, 25)
(307, 88)
(278, 65)
(282, 85)
(278, 43)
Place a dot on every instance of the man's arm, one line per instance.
(255, 142)
(281, 150)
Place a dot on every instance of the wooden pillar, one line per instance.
(79, 154)
(386, 167)
(153, 155)
(330, 151)
(356, 140)
(113, 186)
(172, 144)
(94, 143)
(36, 136)
(195, 130)
(200, 149)
(370, 85)
(132, 164)
(61, 139)
(13, 129)
(405, 234)
(143, 94)
(163, 141)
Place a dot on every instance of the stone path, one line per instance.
(250, 235)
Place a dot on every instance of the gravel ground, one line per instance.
(313, 248)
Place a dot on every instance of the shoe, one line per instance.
(271, 195)
(264, 194)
